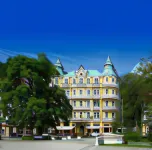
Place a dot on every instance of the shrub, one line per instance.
(27, 137)
(150, 137)
(132, 136)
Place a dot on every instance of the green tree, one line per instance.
(26, 96)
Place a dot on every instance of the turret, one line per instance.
(109, 69)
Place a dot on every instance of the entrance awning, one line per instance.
(65, 127)
(93, 127)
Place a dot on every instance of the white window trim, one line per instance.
(94, 80)
(87, 92)
(114, 115)
(107, 114)
(81, 78)
(65, 79)
(73, 80)
(87, 80)
(106, 78)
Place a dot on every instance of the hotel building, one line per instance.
(94, 96)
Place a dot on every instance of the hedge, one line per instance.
(150, 137)
(132, 136)
(27, 137)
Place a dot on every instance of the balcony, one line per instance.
(96, 120)
(79, 85)
(81, 108)
(110, 85)
(96, 85)
(65, 85)
(96, 108)
(113, 96)
(80, 119)
(96, 96)
(109, 108)
(107, 119)
(80, 97)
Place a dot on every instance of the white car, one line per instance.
(95, 134)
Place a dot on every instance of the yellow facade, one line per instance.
(94, 97)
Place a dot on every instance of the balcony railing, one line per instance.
(96, 96)
(96, 108)
(109, 108)
(84, 96)
(96, 84)
(80, 119)
(110, 85)
(96, 119)
(80, 96)
(108, 119)
(65, 85)
(113, 96)
(81, 108)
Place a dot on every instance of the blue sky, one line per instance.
(79, 32)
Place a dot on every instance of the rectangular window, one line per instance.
(74, 103)
(74, 81)
(80, 103)
(94, 103)
(74, 115)
(113, 80)
(88, 81)
(106, 91)
(96, 115)
(67, 93)
(88, 92)
(88, 114)
(106, 103)
(80, 92)
(80, 114)
(98, 92)
(106, 114)
(74, 92)
(94, 92)
(96, 124)
(106, 124)
(56, 80)
(88, 103)
(96, 81)
(113, 103)
(113, 91)
(106, 79)
(113, 115)
(66, 81)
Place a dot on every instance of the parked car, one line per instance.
(95, 134)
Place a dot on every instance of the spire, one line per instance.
(59, 64)
(108, 62)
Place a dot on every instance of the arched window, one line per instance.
(113, 79)
(74, 81)
(81, 80)
(96, 81)
(66, 81)
(106, 91)
(88, 81)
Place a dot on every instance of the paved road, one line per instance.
(84, 144)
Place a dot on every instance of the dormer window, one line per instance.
(88, 81)
(113, 79)
(66, 81)
(96, 81)
(56, 80)
(81, 80)
(74, 81)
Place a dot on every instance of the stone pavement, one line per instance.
(84, 144)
